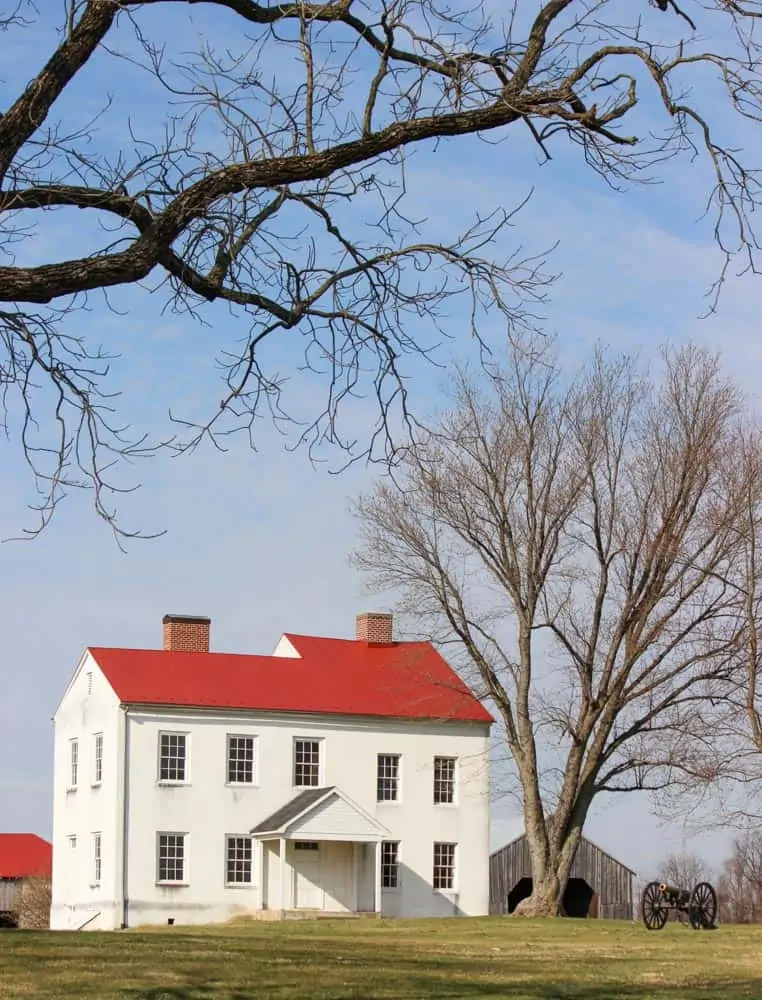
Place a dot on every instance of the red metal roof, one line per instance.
(408, 680)
(23, 855)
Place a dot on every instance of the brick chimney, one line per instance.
(186, 633)
(374, 627)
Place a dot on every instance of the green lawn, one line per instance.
(396, 960)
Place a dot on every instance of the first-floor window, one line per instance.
(239, 861)
(444, 866)
(96, 859)
(390, 865)
(307, 763)
(171, 857)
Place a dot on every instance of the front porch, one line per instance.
(320, 855)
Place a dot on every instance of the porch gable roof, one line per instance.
(320, 813)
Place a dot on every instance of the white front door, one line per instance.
(308, 890)
(338, 875)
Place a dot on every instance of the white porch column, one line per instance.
(264, 889)
(283, 905)
(378, 876)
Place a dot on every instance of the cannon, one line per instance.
(700, 903)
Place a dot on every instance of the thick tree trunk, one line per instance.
(545, 900)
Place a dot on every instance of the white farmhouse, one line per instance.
(347, 776)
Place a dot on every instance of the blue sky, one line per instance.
(260, 540)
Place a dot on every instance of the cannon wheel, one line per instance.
(652, 909)
(702, 908)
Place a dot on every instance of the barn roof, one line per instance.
(23, 855)
(522, 835)
(409, 680)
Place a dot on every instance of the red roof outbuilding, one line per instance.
(25, 855)
(406, 680)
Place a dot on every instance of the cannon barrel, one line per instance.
(669, 889)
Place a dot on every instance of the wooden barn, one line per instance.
(23, 856)
(599, 886)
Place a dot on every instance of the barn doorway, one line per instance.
(576, 901)
(521, 890)
(577, 898)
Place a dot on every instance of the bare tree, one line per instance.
(266, 174)
(720, 744)
(571, 537)
(740, 884)
(684, 870)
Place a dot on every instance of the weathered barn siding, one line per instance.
(609, 879)
(9, 888)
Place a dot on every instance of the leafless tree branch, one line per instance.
(268, 173)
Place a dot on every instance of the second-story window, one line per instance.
(387, 777)
(173, 751)
(307, 763)
(74, 762)
(98, 758)
(241, 762)
(444, 780)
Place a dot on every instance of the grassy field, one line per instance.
(388, 960)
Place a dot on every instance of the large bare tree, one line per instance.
(264, 173)
(720, 745)
(573, 539)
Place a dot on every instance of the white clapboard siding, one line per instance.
(334, 818)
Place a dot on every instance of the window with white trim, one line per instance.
(98, 758)
(96, 859)
(307, 763)
(390, 864)
(173, 755)
(241, 760)
(444, 780)
(387, 777)
(73, 841)
(74, 763)
(239, 861)
(444, 866)
(171, 857)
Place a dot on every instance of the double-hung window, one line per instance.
(98, 758)
(238, 860)
(97, 861)
(173, 757)
(241, 765)
(307, 763)
(387, 777)
(171, 860)
(444, 780)
(390, 864)
(73, 763)
(444, 866)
